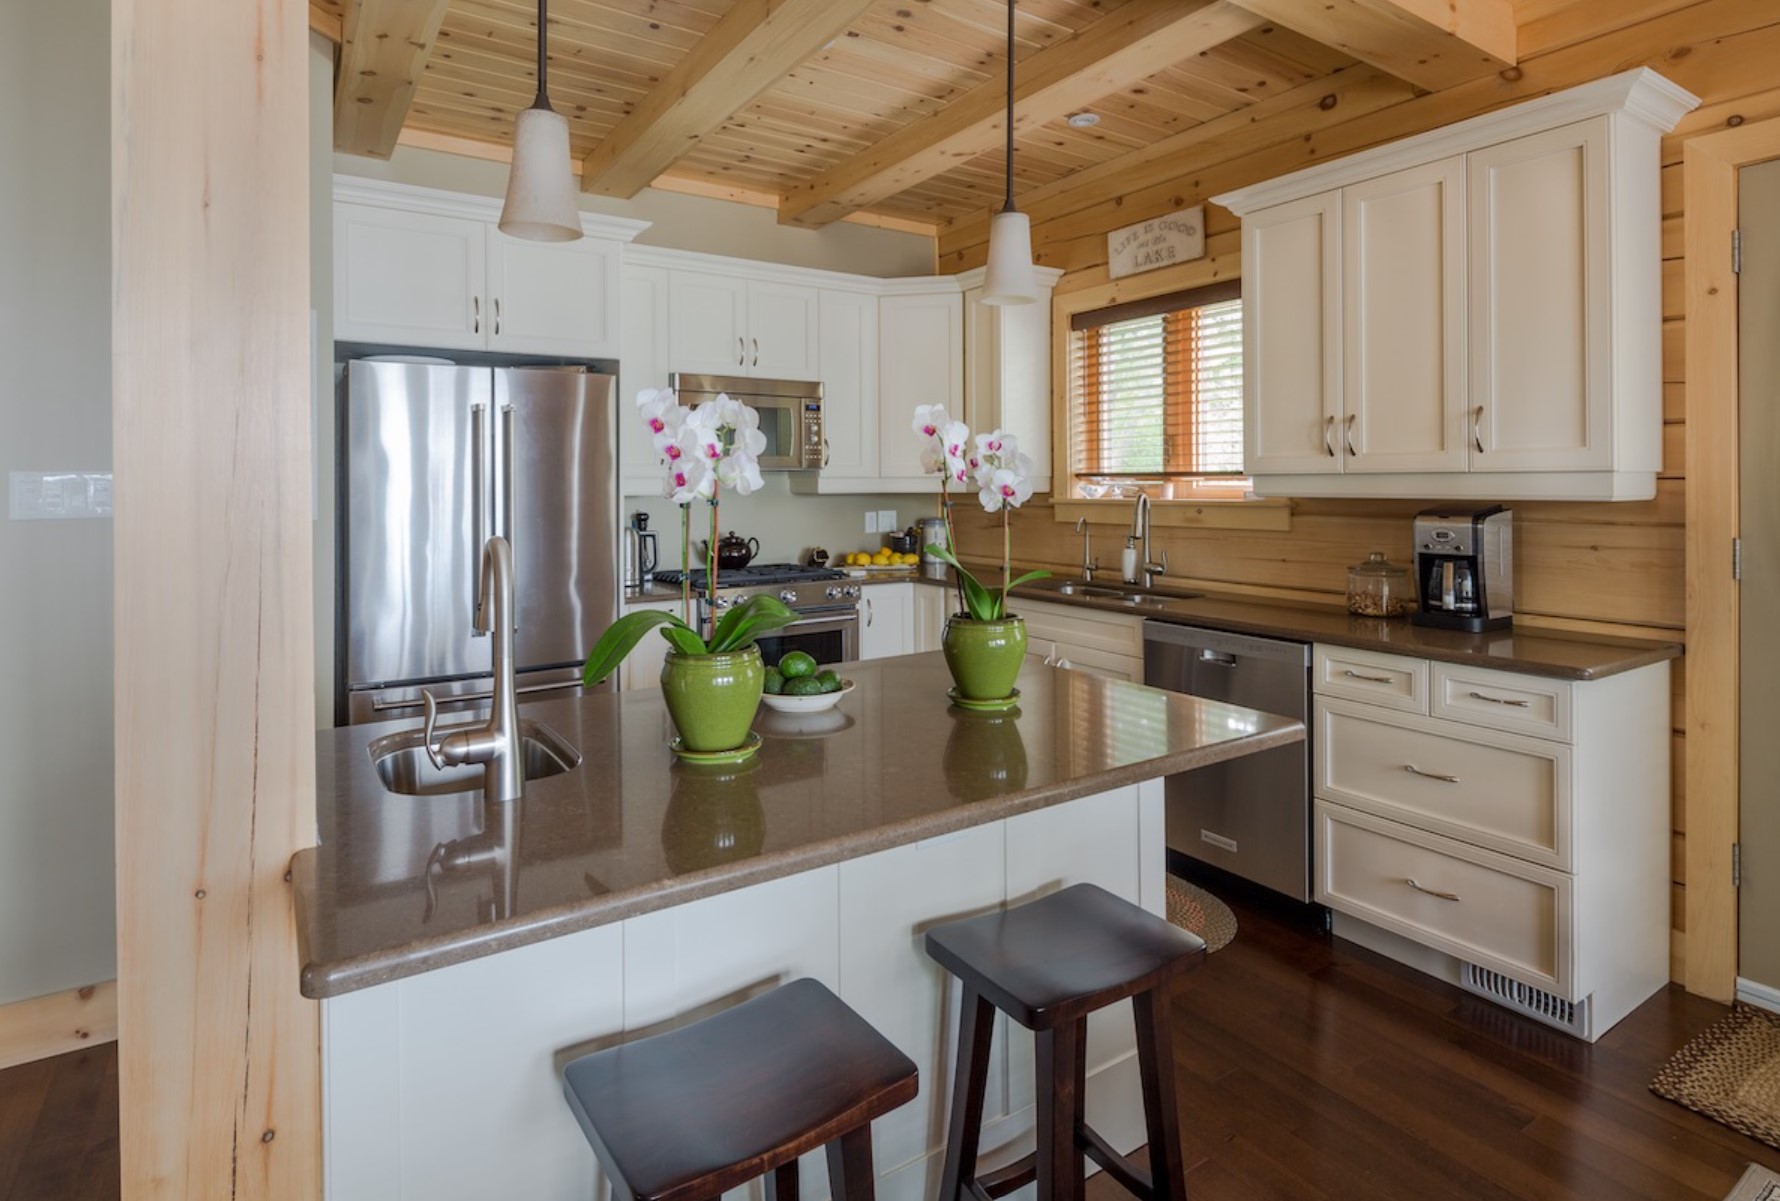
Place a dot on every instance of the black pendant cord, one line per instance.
(1008, 205)
(543, 97)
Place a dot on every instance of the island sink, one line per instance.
(404, 768)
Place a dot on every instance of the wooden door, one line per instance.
(782, 331)
(411, 279)
(1541, 391)
(1404, 331)
(1291, 336)
(553, 297)
(708, 331)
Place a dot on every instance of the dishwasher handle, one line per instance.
(1220, 658)
(1198, 639)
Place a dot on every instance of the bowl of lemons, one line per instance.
(881, 560)
(798, 685)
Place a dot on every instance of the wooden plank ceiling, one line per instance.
(869, 109)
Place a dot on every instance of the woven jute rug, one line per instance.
(1758, 1184)
(1192, 908)
(1731, 1073)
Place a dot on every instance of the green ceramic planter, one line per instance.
(712, 698)
(984, 656)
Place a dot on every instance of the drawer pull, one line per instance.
(1433, 892)
(1498, 700)
(1354, 675)
(1413, 770)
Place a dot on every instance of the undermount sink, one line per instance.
(1122, 596)
(403, 765)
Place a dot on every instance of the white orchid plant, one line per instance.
(1002, 476)
(702, 450)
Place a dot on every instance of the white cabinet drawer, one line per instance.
(1393, 681)
(1502, 700)
(1503, 791)
(1069, 626)
(1483, 908)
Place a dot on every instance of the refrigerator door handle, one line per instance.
(508, 426)
(478, 502)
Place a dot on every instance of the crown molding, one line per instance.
(354, 189)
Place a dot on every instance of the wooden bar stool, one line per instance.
(687, 1114)
(1048, 964)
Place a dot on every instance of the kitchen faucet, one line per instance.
(1140, 536)
(1089, 564)
(495, 745)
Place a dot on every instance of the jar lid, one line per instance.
(1377, 565)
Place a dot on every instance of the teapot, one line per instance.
(735, 551)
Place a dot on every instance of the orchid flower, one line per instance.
(688, 479)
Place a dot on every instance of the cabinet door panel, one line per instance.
(1404, 344)
(708, 333)
(887, 621)
(642, 363)
(782, 331)
(848, 365)
(553, 297)
(1541, 353)
(920, 361)
(1291, 313)
(414, 279)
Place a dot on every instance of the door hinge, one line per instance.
(1736, 558)
(1736, 252)
(1736, 865)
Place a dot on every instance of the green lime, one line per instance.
(775, 681)
(830, 681)
(797, 664)
(803, 686)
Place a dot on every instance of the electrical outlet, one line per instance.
(871, 523)
(887, 521)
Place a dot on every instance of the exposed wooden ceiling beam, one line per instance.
(1114, 52)
(325, 21)
(1433, 44)
(383, 49)
(752, 48)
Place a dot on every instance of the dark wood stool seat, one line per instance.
(1048, 964)
(687, 1114)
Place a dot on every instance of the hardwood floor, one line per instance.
(1310, 1070)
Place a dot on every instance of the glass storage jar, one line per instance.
(1379, 588)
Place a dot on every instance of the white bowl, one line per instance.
(806, 704)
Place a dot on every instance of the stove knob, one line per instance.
(788, 595)
(833, 593)
(852, 592)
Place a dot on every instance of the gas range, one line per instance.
(805, 589)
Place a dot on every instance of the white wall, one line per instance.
(57, 893)
(786, 525)
(321, 298)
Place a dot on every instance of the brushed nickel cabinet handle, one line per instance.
(1433, 892)
(1351, 418)
(1413, 770)
(1477, 428)
(475, 314)
(1500, 700)
(741, 351)
(756, 361)
(1354, 675)
(1328, 436)
(497, 314)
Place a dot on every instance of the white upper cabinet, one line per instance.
(920, 361)
(1487, 322)
(1007, 368)
(708, 329)
(847, 351)
(782, 330)
(642, 363)
(1403, 329)
(425, 268)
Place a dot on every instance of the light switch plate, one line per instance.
(887, 520)
(59, 495)
(871, 522)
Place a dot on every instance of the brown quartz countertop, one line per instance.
(630, 830)
(1535, 652)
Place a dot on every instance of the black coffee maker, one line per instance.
(1464, 568)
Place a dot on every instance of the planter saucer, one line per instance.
(733, 755)
(1000, 704)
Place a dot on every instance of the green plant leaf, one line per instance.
(622, 636)
(983, 604)
(1028, 578)
(683, 640)
(747, 621)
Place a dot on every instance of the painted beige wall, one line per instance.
(57, 908)
(786, 525)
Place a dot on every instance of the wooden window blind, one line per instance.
(1156, 388)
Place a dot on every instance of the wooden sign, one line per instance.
(1158, 242)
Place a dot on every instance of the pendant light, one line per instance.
(541, 201)
(1009, 278)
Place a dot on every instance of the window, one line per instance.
(1156, 396)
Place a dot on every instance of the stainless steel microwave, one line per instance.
(790, 414)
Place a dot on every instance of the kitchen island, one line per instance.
(463, 952)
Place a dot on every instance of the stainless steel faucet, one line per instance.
(495, 745)
(1140, 534)
(1089, 564)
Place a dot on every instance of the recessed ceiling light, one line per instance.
(1084, 120)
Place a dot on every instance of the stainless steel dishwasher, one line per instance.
(1248, 816)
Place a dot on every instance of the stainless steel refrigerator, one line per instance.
(435, 460)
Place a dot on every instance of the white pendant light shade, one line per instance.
(1010, 278)
(541, 195)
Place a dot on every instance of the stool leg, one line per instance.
(1059, 1109)
(851, 1176)
(970, 1077)
(1155, 1061)
(785, 1182)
